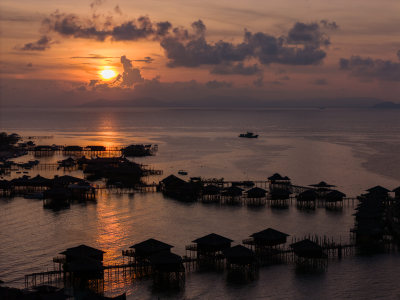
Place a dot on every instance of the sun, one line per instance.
(107, 74)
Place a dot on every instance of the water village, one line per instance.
(376, 227)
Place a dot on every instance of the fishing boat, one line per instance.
(182, 172)
(249, 135)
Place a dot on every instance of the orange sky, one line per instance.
(365, 29)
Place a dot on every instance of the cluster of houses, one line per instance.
(279, 192)
(377, 218)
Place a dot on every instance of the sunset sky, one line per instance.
(193, 52)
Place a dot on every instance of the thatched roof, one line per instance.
(276, 176)
(269, 234)
(40, 181)
(172, 180)
(82, 251)
(151, 246)
(233, 191)
(378, 190)
(211, 190)
(334, 196)
(322, 185)
(256, 192)
(212, 239)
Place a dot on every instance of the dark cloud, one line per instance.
(236, 69)
(398, 54)
(369, 68)
(29, 65)
(309, 35)
(95, 3)
(302, 46)
(40, 45)
(320, 81)
(329, 25)
(71, 25)
(93, 56)
(146, 59)
(214, 84)
(131, 75)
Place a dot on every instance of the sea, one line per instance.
(353, 149)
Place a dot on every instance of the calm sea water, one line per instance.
(353, 149)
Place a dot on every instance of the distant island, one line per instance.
(387, 105)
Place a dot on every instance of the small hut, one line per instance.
(334, 199)
(279, 190)
(144, 250)
(232, 194)
(241, 263)
(322, 188)
(378, 193)
(82, 264)
(178, 188)
(309, 255)
(307, 199)
(266, 244)
(140, 254)
(209, 248)
(256, 196)
(211, 193)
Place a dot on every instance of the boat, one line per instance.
(182, 172)
(248, 135)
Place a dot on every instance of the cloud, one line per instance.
(301, 46)
(214, 84)
(368, 68)
(236, 69)
(93, 56)
(131, 75)
(398, 54)
(307, 34)
(329, 25)
(40, 45)
(70, 25)
(96, 3)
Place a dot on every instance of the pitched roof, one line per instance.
(322, 184)
(269, 234)
(172, 179)
(378, 189)
(211, 190)
(233, 191)
(334, 196)
(82, 251)
(151, 246)
(256, 192)
(212, 239)
(276, 176)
